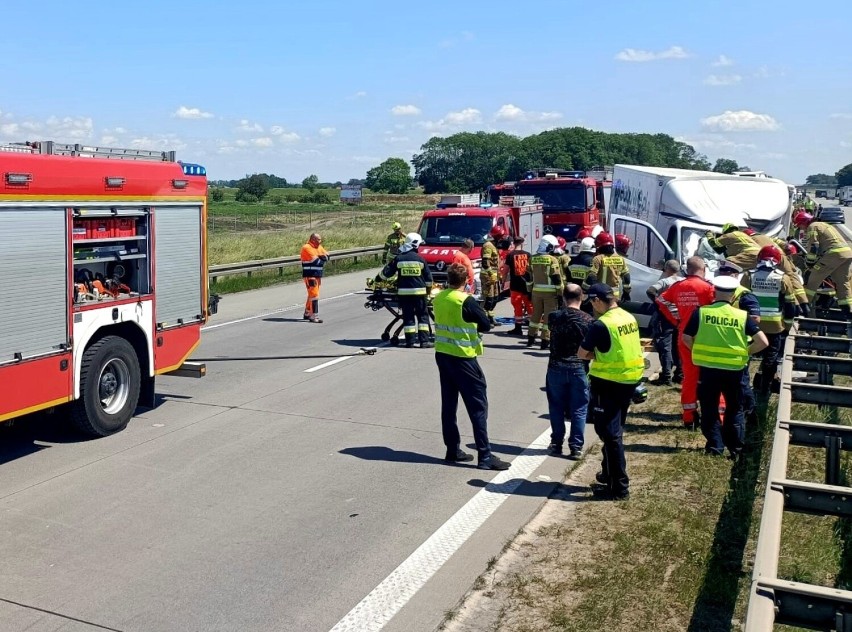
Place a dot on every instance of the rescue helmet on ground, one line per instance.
(412, 242)
(547, 244)
(396, 226)
(802, 219)
(770, 254)
(622, 242)
(604, 239)
(587, 245)
(729, 228)
(749, 231)
(498, 232)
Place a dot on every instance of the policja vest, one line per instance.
(624, 362)
(767, 285)
(454, 335)
(721, 341)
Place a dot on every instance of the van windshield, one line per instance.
(693, 242)
(454, 229)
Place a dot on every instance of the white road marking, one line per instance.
(329, 363)
(289, 308)
(389, 597)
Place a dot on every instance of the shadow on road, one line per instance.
(281, 357)
(281, 319)
(25, 435)
(383, 453)
(359, 342)
(536, 489)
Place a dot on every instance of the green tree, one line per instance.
(392, 176)
(726, 165)
(821, 179)
(310, 183)
(216, 194)
(256, 185)
(844, 176)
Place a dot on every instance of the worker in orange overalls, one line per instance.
(676, 304)
(314, 258)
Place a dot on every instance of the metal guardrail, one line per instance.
(772, 600)
(248, 267)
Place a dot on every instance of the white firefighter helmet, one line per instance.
(547, 244)
(412, 242)
(587, 244)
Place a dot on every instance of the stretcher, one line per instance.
(383, 296)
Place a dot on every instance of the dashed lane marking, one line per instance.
(289, 308)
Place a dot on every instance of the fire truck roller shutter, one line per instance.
(34, 282)
(178, 291)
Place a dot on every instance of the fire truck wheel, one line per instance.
(109, 387)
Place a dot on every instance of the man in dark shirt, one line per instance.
(518, 261)
(567, 382)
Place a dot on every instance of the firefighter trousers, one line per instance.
(542, 303)
(522, 305)
(834, 265)
(312, 304)
(415, 318)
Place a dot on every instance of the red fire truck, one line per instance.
(572, 200)
(103, 278)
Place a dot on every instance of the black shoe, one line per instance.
(409, 345)
(517, 331)
(678, 378)
(554, 449)
(530, 341)
(426, 345)
(600, 478)
(575, 454)
(458, 456)
(545, 345)
(306, 316)
(494, 463)
(602, 492)
(661, 381)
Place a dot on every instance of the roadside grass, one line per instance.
(677, 556)
(291, 274)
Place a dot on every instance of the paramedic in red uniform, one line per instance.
(677, 304)
(314, 258)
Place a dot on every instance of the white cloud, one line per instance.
(467, 116)
(740, 121)
(327, 132)
(722, 61)
(370, 160)
(635, 55)
(264, 141)
(163, 143)
(10, 129)
(396, 139)
(722, 80)
(358, 95)
(405, 110)
(283, 135)
(184, 112)
(715, 143)
(107, 140)
(247, 126)
(510, 112)
(845, 144)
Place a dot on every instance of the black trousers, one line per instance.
(769, 361)
(608, 409)
(462, 376)
(415, 318)
(711, 384)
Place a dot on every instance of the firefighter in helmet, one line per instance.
(414, 283)
(489, 272)
(610, 268)
(547, 283)
(828, 255)
(622, 244)
(738, 247)
(563, 257)
(393, 243)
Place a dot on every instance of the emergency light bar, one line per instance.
(190, 169)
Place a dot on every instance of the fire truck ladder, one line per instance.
(50, 147)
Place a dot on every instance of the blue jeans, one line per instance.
(567, 396)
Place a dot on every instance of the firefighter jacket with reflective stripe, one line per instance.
(454, 335)
(546, 274)
(734, 243)
(564, 263)
(490, 257)
(313, 259)
(413, 275)
(721, 341)
(776, 295)
(679, 301)
(579, 268)
(392, 244)
(624, 362)
(824, 239)
(612, 270)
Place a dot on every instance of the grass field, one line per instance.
(676, 556)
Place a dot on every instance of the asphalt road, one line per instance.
(266, 497)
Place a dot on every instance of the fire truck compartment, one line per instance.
(33, 283)
(178, 255)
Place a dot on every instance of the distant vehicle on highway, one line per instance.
(844, 194)
(820, 193)
(831, 215)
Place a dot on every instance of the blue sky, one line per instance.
(333, 88)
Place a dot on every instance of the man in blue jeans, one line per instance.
(567, 382)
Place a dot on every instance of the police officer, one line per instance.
(489, 272)
(414, 283)
(778, 307)
(717, 335)
(547, 285)
(393, 243)
(459, 321)
(829, 255)
(610, 268)
(612, 344)
(737, 247)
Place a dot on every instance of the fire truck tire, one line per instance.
(109, 387)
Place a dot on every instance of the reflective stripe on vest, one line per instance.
(624, 362)
(721, 341)
(453, 335)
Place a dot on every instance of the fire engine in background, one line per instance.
(104, 282)
(460, 217)
(573, 200)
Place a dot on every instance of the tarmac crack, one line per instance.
(60, 615)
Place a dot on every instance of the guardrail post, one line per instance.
(248, 274)
(833, 446)
(281, 271)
